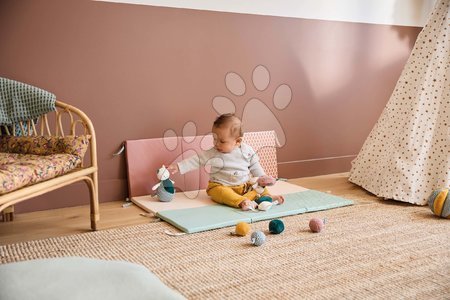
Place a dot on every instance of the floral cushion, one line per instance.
(45, 145)
(19, 170)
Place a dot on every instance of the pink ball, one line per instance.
(316, 224)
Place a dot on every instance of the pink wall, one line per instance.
(138, 71)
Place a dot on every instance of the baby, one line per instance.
(232, 162)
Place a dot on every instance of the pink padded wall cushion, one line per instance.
(144, 157)
(264, 143)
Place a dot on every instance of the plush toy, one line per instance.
(164, 189)
(439, 203)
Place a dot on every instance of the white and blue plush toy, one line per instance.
(164, 189)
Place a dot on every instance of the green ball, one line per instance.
(276, 226)
(262, 199)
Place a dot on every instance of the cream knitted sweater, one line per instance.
(233, 168)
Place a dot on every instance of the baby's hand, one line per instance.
(173, 169)
(278, 198)
(248, 205)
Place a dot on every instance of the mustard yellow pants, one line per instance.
(232, 195)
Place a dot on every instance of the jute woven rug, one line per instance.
(374, 249)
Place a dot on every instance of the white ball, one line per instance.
(265, 205)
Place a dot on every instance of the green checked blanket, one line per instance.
(21, 102)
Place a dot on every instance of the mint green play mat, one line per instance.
(191, 220)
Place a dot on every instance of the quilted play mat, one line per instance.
(191, 210)
(199, 213)
(191, 220)
(199, 198)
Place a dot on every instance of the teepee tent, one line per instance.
(407, 154)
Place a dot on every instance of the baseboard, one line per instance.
(315, 166)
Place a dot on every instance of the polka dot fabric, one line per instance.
(407, 154)
(264, 143)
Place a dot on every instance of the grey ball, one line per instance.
(258, 238)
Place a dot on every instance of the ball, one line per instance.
(265, 205)
(276, 226)
(439, 203)
(242, 229)
(316, 224)
(258, 238)
(262, 199)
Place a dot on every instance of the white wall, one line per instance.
(390, 12)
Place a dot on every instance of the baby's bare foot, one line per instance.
(248, 205)
(278, 198)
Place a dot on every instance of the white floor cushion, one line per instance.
(80, 278)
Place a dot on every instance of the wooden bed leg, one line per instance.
(8, 214)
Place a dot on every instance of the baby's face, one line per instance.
(223, 140)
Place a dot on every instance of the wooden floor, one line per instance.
(67, 221)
